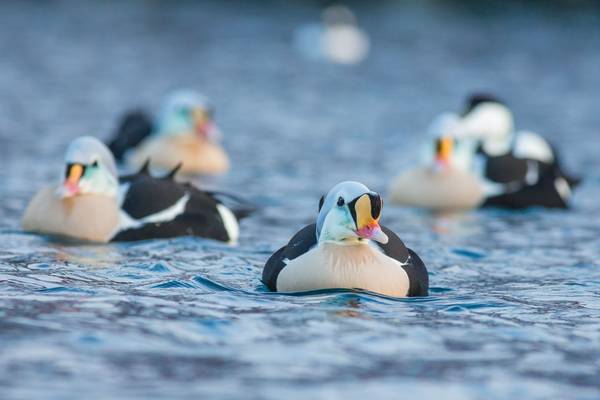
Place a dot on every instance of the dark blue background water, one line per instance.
(515, 306)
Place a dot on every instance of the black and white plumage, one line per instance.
(347, 248)
(154, 207)
(521, 179)
(306, 239)
(93, 204)
(518, 170)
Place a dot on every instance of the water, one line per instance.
(514, 309)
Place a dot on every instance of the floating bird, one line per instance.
(443, 182)
(518, 169)
(90, 204)
(184, 133)
(347, 248)
(337, 39)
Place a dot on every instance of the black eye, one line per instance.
(95, 163)
(340, 202)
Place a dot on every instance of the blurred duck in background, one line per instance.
(337, 39)
(519, 169)
(479, 160)
(183, 133)
(92, 203)
(443, 182)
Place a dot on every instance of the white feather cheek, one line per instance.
(99, 181)
(175, 124)
(464, 155)
(86, 185)
(338, 225)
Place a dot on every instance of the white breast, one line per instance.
(357, 266)
(447, 190)
(91, 217)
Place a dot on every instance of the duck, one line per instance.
(184, 132)
(93, 204)
(442, 182)
(518, 169)
(337, 39)
(347, 248)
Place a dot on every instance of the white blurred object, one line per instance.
(337, 39)
(464, 149)
(443, 125)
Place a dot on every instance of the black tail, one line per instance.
(134, 127)
(572, 180)
(242, 207)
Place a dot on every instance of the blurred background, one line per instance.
(73, 68)
(501, 322)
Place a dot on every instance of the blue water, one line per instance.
(514, 310)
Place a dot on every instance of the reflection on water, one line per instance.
(513, 311)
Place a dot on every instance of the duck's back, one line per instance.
(163, 208)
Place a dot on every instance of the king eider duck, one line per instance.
(519, 169)
(184, 133)
(443, 183)
(347, 249)
(91, 205)
(337, 39)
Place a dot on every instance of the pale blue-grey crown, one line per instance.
(87, 149)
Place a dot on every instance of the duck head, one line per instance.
(90, 168)
(338, 15)
(440, 133)
(444, 150)
(349, 213)
(187, 112)
(488, 120)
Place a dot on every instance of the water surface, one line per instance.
(514, 309)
